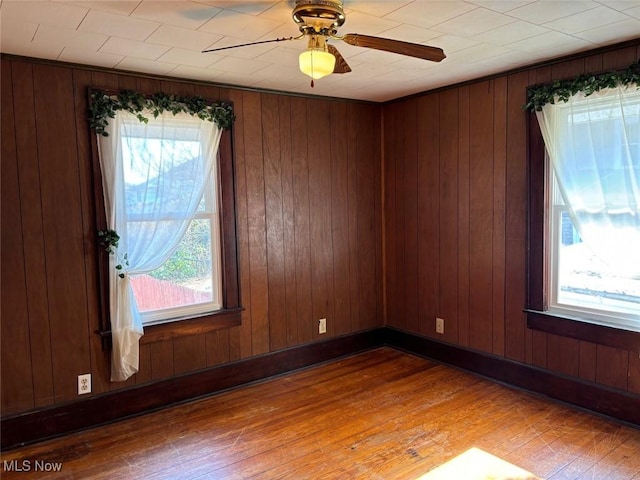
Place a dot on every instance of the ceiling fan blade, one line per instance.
(252, 43)
(395, 46)
(341, 64)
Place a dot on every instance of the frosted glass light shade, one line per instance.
(317, 63)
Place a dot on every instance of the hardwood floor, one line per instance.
(382, 414)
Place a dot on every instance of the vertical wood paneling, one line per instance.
(351, 171)
(274, 221)
(634, 372)
(318, 118)
(428, 176)
(33, 233)
(144, 365)
(368, 192)
(189, 353)
(593, 63)
(463, 217)
(612, 367)
(162, 362)
(217, 344)
(104, 80)
(568, 70)
(62, 224)
(254, 170)
(374, 114)
(340, 219)
(400, 232)
(499, 200)
(587, 361)
(448, 226)
(410, 201)
(620, 58)
(288, 221)
(302, 254)
(481, 216)
(515, 217)
(177, 88)
(563, 355)
(127, 82)
(17, 391)
(391, 158)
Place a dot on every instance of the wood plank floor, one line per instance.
(382, 414)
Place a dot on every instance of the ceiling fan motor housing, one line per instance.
(322, 17)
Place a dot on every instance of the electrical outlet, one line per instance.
(84, 384)
(322, 325)
(440, 325)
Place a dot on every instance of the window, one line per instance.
(581, 282)
(159, 168)
(166, 167)
(584, 225)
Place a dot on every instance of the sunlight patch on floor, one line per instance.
(476, 464)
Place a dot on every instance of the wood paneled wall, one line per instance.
(312, 192)
(455, 183)
(309, 223)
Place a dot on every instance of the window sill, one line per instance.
(192, 326)
(582, 330)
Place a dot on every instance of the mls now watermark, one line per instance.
(31, 466)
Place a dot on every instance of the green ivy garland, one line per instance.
(109, 241)
(104, 105)
(562, 90)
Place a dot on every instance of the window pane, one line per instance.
(185, 278)
(585, 281)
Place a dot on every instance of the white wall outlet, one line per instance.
(322, 325)
(84, 384)
(440, 325)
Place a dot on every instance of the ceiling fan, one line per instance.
(318, 21)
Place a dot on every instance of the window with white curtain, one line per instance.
(593, 155)
(168, 227)
(159, 185)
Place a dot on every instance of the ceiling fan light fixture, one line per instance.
(318, 22)
(317, 63)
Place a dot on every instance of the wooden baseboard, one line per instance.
(596, 398)
(55, 421)
(38, 425)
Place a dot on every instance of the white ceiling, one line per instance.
(479, 37)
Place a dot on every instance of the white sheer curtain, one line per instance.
(594, 145)
(153, 177)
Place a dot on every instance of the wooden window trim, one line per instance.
(538, 318)
(231, 313)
